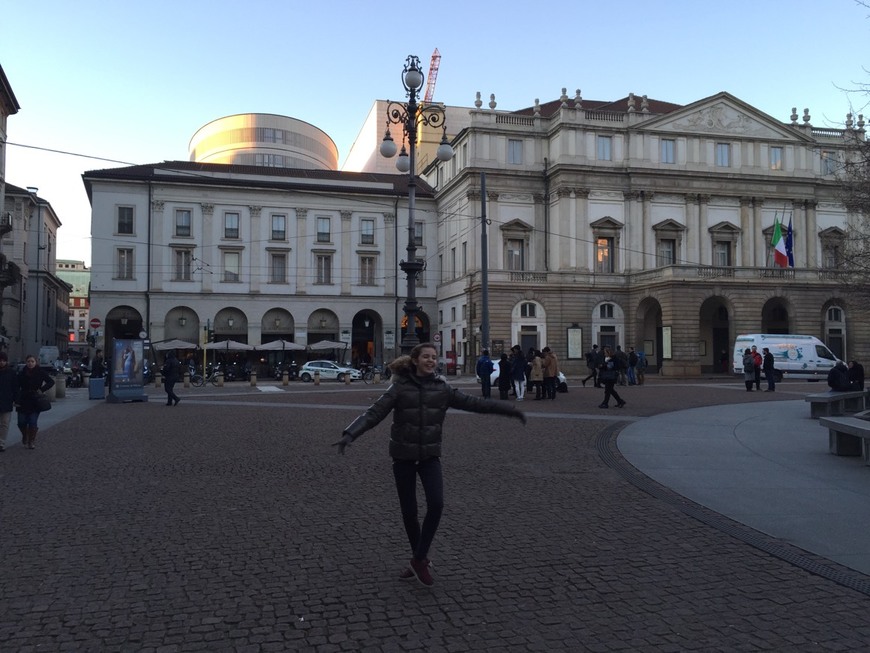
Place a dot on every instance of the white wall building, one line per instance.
(255, 255)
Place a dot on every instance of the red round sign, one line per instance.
(95, 323)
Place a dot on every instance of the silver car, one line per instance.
(328, 370)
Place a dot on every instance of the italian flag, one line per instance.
(780, 256)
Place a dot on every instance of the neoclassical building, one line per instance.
(256, 254)
(642, 223)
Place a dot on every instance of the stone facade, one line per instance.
(645, 224)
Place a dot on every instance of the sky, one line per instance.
(103, 83)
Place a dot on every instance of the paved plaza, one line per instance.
(228, 523)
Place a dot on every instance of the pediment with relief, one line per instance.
(723, 115)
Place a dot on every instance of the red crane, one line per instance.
(433, 75)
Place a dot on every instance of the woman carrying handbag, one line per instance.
(32, 383)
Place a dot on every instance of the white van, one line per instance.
(798, 357)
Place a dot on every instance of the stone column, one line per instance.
(648, 242)
(256, 265)
(747, 241)
(163, 257)
(799, 225)
(761, 244)
(209, 253)
(581, 219)
(809, 236)
(304, 261)
(705, 244)
(346, 262)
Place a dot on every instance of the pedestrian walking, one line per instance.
(622, 357)
(608, 375)
(767, 364)
(642, 364)
(8, 390)
(32, 382)
(551, 373)
(592, 363)
(171, 374)
(419, 399)
(632, 366)
(484, 370)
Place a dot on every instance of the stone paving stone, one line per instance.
(229, 523)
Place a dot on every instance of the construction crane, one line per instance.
(433, 75)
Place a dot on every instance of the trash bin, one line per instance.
(97, 388)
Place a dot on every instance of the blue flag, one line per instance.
(789, 244)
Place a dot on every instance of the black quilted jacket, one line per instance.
(418, 405)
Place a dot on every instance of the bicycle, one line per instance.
(368, 375)
(197, 380)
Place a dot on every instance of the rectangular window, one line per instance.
(604, 148)
(125, 220)
(776, 158)
(831, 256)
(514, 255)
(829, 162)
(182, 222)
(667, 251)
(367, 270)
(605, 312)
(515, 151)
(452, 262)
(231, 225)
(125, 264)
(464, 262)
(722, 253)
(367, 232)
(723, 155)
(418, 234)
(604, 255)
(324, 269)
(232, 266)
(324, 234)
(669, 150)
(183, 261)
(279, 226)
(278, 268)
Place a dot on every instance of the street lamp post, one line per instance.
(412, 117)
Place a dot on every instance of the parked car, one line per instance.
(561, 381)
(328, 370)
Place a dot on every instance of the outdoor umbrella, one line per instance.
(280, 345)
(228, 345)
(327, 344)
(174, 344)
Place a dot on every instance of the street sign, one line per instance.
(96, 323)
(437, 337)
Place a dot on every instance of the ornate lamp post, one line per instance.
(412, 117)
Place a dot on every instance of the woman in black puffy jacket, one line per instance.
(419, 399)
(32, 382)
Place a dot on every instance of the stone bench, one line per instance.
(828, 404)
(848, 436)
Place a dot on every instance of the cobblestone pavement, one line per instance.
(229, 523)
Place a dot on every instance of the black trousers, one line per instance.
(170, 392)
(405, 472)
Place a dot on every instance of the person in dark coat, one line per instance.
(518, 372)
(419, 399)
(856, 375)
(608, 374)
(767, 366)
(171, 374)
(8, 390)
(838, 377)
(32, 382)
(748, 369)
(504, 377)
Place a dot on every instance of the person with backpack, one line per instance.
(608, 374)
(593, 364)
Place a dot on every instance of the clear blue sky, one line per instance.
(134, 81)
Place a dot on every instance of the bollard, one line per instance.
(157, 379)
(60, 387)
(187, 379)
(316, 377)
(347, 379)
(377, 377)
(253, 379)
(220, 380)
(285, 378)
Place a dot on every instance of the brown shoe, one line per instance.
(420, 569)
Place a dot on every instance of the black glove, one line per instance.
(344, 443)
(520, 415)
